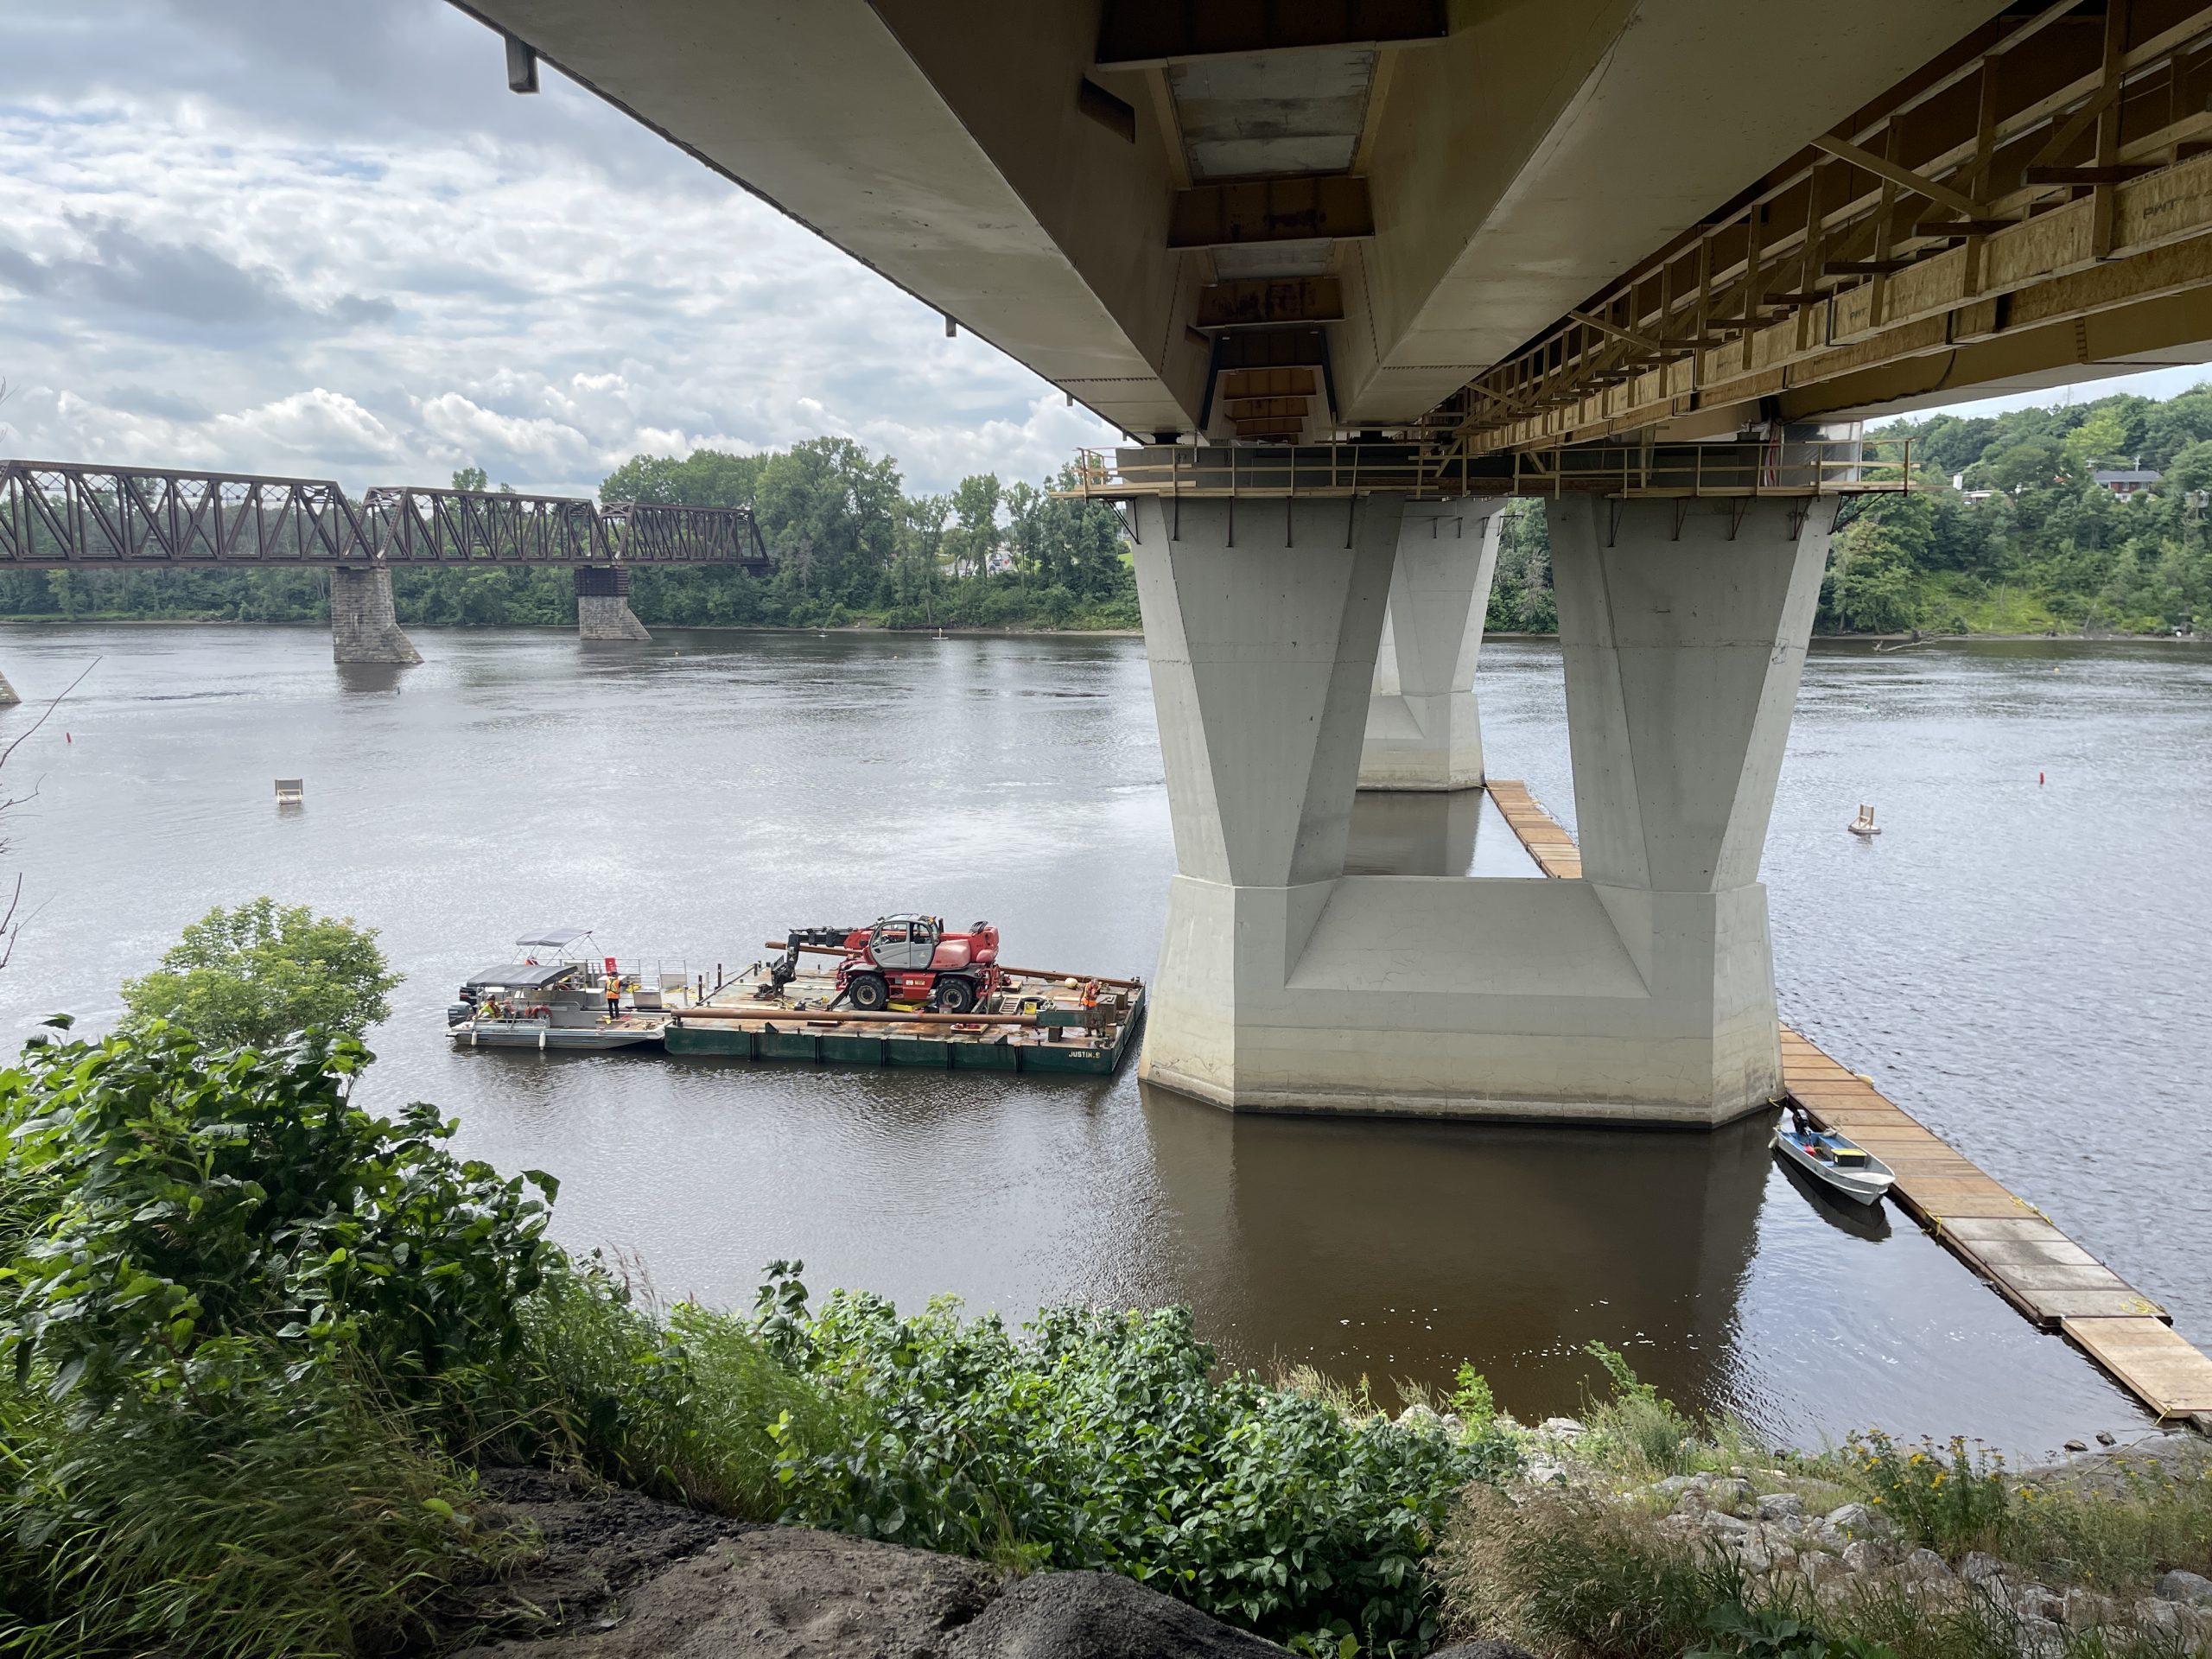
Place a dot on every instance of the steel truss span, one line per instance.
(58, 514)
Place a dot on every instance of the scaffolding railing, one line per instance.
(1768, 467)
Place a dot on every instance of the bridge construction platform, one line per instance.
(2011, 1245)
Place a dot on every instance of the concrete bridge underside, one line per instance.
(1487, 228)
(1389, 196)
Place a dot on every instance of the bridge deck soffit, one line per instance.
(2032, 205)
(1281, 221)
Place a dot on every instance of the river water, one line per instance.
(2025, 964)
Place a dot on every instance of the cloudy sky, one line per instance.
(321, 237)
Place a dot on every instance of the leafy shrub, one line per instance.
(238, 1311)
(257, 974)
(1472, 1401)
(1104, 1439)
(1949, 1499)
(202, 1202)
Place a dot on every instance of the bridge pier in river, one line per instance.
(603, 604)
(1643, 992)
(364, 625)
(1423, 728)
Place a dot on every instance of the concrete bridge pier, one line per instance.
(1643, 994)
(8, 697)
(603, 604)
(1423, 729)
(364, 625)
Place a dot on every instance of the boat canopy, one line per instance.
(552, 938)
(521, 975)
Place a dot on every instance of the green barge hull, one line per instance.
(791, 1038)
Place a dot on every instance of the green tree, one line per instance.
(705, 478)
(2099, 440)
(253, 976)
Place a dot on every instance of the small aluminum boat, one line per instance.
(1836, 1161)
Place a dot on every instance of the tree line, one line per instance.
(2006, 532)
(851, 547)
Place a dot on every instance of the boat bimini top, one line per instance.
(559, 940)
(520, 975)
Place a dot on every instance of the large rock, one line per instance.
(1099, 1616)
(624, 1577)
(2178, 1586)
(779, 1592)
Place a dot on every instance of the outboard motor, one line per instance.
(457, 1012)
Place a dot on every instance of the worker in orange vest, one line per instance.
(614, 997)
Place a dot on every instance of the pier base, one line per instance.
(1423, 729)
(603, 604)
(364, 626)
(8, 697)
(1643, 994)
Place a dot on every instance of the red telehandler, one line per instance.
(902, 959)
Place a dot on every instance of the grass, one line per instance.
(1572, 1576)
(301, 1519)
(1589, 1573)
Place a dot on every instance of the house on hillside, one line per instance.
(2125, 482)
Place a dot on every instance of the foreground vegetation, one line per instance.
(259, 1337)
(256, 1344)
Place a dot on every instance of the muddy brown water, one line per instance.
(2022, 965)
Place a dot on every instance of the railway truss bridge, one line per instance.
(60, 515)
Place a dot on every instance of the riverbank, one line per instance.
(290, 1377)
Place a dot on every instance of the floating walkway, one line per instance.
(2006, 1241)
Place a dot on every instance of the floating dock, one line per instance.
(2012, 1245)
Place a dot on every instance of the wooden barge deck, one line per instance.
(2009, 1244)
(1039, 1025)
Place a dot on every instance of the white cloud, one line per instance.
(348, 251)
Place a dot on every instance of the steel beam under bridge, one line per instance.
(58, 514)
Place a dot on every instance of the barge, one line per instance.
(785, 1008)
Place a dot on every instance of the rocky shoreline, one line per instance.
(1774, 1525)
(613, 1574)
